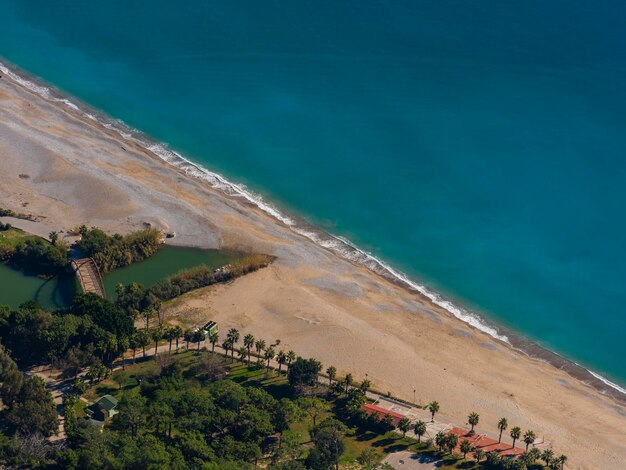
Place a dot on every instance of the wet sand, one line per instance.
(76, 171)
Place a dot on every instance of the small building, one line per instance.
(210, 329)
(382, 412)
(103, 408)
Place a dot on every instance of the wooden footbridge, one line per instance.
(88, 276)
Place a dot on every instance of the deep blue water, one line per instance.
(477, 146)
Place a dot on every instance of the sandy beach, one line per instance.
(67, 170)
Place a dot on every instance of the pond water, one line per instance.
(17, 287)
(168, 260)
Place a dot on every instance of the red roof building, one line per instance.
(381, 412)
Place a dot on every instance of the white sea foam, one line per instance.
(607, 382)
(336, 244)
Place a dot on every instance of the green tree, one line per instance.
(281, 358)
(303, 374)
(168, 335)
(451, 442)
(420, 429)
(314, 407)
(332, 373)
(291, 356)
(329, 443)
(404, 426)
(259, 345)
(502, 425)
(198, 338)
(131, 414)
(188, 336)
(368, 458)
(365, 385)
(547, 456)
(233, 336)
(561, 460)
(516, 432)
(269, 355)
(348, 380)
(213, 339)
(433, 407)
(248, 342)
(473, 419)
(143, 339)
(479, 454)
(177, 332)
(32, 410)
(440, 440)
(465, 447)
(156, 337)
(529, 438)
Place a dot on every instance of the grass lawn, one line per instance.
(10, 238)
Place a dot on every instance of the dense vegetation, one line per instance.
(202, 276)
(110, 252)
(32, 254)
(91, 330)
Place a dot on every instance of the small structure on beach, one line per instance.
(209, 329)
(103, 408)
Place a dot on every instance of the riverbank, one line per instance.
(75, 170)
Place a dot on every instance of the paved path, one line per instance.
(411, 461)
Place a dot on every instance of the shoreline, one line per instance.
(335, 244)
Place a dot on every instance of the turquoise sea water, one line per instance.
(479, 147)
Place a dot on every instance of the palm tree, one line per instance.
(451, 442)
(233, 336)
(516, 432)
(479, 454)
(420, 429)
(198, 337)
(534, 454)
(348, 381)
(156, 337)
(547, 456)
(291, 356)
(248, 342)
(213, 339)
(502, 425)
(243, 352)
(177, 332)
(404, 425)
(226, 345)
(332, 373)
(259, 345)
(561, 460)
(529, 438)
(123, 344)
(465, 448)
(281, 358)
(144, 340)
(433, 407)
(269, 355)
(168, 335)
(440, 440)
(188, 336)
(473, 419)
(365, 385)
(133, 343)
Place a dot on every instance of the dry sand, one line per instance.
(318, 304)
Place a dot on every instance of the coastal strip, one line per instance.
(337, 245)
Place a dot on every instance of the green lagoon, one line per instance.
(17, 287)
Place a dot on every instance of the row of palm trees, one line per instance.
(267, 353)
